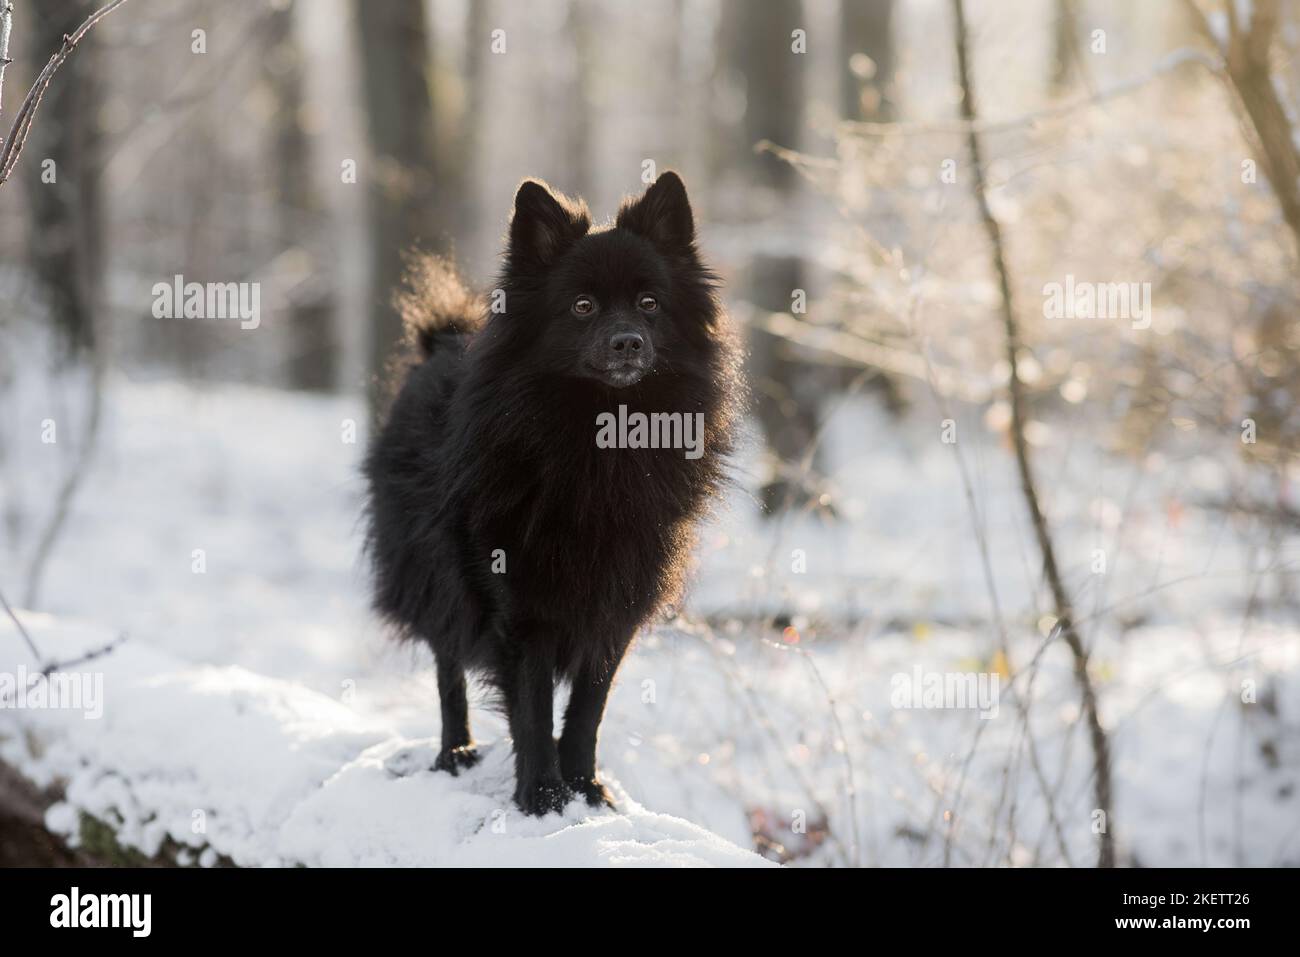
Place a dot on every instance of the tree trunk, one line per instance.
(759, 57)
(1065, 47)
(313, 344)
(62, 180)
(866, 90)
(400, 173)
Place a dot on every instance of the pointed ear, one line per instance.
(662, 215)
(545, 224)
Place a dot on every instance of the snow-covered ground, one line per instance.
(227, 763)
(255, 694)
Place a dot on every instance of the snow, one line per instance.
(267, 772)
(260, 700)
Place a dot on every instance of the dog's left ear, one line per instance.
(662, 215)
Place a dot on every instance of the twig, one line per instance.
(1011, 329)
(53, 666)
(851, 789)
(758, 713)
(858, 350)
(1280, 513)
(1023, 701)
(31, 645)
(6, 24)
(1248, 615)
(88, 656)
(17, 138)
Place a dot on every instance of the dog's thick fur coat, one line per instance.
(500, 533)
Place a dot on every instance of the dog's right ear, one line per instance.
(544, 224)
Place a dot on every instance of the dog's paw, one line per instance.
(542, 797)
(595, 793)
(452, 760)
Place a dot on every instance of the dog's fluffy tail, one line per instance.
(436, 306)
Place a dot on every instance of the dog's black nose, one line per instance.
(626, 342)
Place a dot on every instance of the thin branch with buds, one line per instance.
(81, 659)
(22, 126)
(48, 668)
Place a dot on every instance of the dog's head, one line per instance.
(613, 305)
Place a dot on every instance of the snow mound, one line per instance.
(227, 763)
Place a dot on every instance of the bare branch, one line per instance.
(81, 659)
(17, 138)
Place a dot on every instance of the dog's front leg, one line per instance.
(582, 720)
(529, 686)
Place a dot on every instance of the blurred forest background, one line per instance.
(304, 145)
(891, 292)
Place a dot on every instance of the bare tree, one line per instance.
(66, 247)
(759, 60)
(1042, 533)
(314, 360)
(1246, 51)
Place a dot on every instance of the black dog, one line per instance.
(502, 531)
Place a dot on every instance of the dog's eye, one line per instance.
(648, 304)
(584, 306)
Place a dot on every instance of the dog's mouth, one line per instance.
(621, 376)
